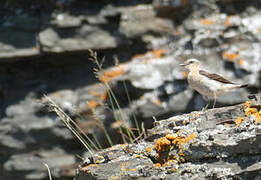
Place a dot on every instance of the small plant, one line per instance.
(105, 78)
(70, 124)
(126, 132)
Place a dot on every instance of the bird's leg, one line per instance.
(215, 100)
(208, 103)
(206, 107)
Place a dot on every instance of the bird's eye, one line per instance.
(190, 62)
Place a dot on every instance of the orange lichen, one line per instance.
(166, 143)
(91, 104)
(148, 149)
(157, 165)
(155, 53)
(85, 168)
(157, 101)
(229, 56)
(239, 121)
(206, 22)
(196, 115)
(240, 62)
(180, 141)
(106, 77)
(171, 136)
(249, 111)
(162, 144)
(132, 169)
(101, 96)
(158, 53)
(226, 22)
(184, 74)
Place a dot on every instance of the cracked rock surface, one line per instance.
(215, 144)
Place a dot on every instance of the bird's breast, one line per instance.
(196, 82)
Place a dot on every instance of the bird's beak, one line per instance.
(182, 64)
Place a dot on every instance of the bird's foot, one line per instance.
(204, 109)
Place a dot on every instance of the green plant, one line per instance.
(85, 140)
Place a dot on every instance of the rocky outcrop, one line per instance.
(220, 143)
(43, 51)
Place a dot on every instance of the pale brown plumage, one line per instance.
(208, 84)
(219, 78)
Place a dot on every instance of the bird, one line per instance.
(209, 85)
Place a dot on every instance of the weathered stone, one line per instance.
(186, 149)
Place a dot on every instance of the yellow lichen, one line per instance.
(138, 156)
(114, 178)
(123, 167)
(100, 157)
(97, 161)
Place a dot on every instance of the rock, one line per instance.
(89, 37)
(22, 42)
(33, 163)
(183, 145)
(49, 43)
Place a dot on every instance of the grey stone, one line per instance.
(233, 150)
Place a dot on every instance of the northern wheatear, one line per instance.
(208, 84)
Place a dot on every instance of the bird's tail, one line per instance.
(243, 85)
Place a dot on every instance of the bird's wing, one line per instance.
(215, 77)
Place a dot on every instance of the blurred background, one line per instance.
(44, 49)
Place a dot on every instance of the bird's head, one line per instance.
(191, 64)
